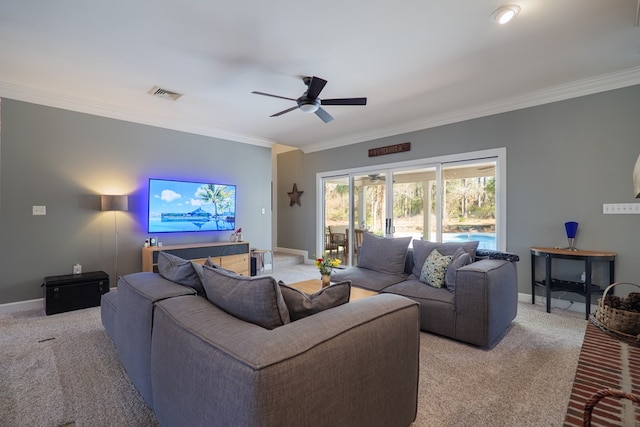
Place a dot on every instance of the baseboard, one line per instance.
(32, 304)
(578, 307)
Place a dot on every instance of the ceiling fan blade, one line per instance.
(273, 96)
(344, 101)
(315, 87)
(284, 111)
(326, 117)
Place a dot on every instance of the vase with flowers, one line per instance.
(236, 236)
(326, 265)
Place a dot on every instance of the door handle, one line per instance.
(389, 229)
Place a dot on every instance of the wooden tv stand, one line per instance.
(230, 255)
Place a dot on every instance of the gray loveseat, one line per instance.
(478, 302)
(195, 364)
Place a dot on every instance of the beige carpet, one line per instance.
(61, 369)
(524, 381)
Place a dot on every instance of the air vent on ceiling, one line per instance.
(164, 93)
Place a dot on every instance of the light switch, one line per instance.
(39, 210)
(621, 208)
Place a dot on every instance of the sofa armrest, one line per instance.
(210, 368)
(137, 295)
(486, 300)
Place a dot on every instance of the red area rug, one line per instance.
(605, 362)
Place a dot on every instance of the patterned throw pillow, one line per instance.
(435, 268)
(422, 249)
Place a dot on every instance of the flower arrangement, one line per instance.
(236, 236)
(325, 265)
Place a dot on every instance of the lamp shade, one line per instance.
(636, 179)
(114, 203)
(571, 227)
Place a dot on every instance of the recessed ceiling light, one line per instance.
(505, 13)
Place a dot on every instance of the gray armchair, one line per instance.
(477, 304)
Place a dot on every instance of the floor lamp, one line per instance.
(636, 174)
(115, 204)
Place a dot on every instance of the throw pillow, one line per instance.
(209, 263)
(256, 300)
(301, 304)
(460, 259)
(434, 269)
(179, 270)
(382, 254)
(422, 249)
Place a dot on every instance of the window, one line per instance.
(450, 198)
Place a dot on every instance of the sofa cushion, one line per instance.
(301, 304)
(416, 290)
(180, 271)
(253, 299)
(435, 268)
(460, 259)
(382, 254)
(365, 278)
(422, 249)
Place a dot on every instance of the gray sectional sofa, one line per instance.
(196, 364)
(476, 303)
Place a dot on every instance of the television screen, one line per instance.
(182, 206)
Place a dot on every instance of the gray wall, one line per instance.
(564, 160)
(64, 160)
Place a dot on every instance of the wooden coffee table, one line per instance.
(314, 285)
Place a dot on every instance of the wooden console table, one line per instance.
(230, 255)
(553, 285)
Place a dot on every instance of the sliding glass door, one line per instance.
(469, 202)
(442, 200)
(414, 203)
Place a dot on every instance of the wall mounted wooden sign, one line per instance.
(390, 149)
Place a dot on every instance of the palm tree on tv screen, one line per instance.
(217, 195)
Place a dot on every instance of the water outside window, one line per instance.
(469, 203)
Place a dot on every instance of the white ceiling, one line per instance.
(421, 63)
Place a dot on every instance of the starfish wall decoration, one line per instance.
(295, 195)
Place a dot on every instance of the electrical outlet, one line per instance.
(620, 208)
(39, 210)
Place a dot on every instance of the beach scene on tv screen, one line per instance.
(179, 206)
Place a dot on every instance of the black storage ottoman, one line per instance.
(74, 291)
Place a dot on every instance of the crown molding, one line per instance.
(82, 105)
(562, 92)
(603, 83)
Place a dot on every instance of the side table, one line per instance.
(553, 285)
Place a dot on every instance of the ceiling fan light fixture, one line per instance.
(505, 13)
(309, 107)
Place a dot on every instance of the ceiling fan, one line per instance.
(309, 101)
(374, 177)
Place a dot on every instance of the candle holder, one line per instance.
(571, 228)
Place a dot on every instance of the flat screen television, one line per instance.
(185, 206)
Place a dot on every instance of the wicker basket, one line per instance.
(621, 321)
(607, 392)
